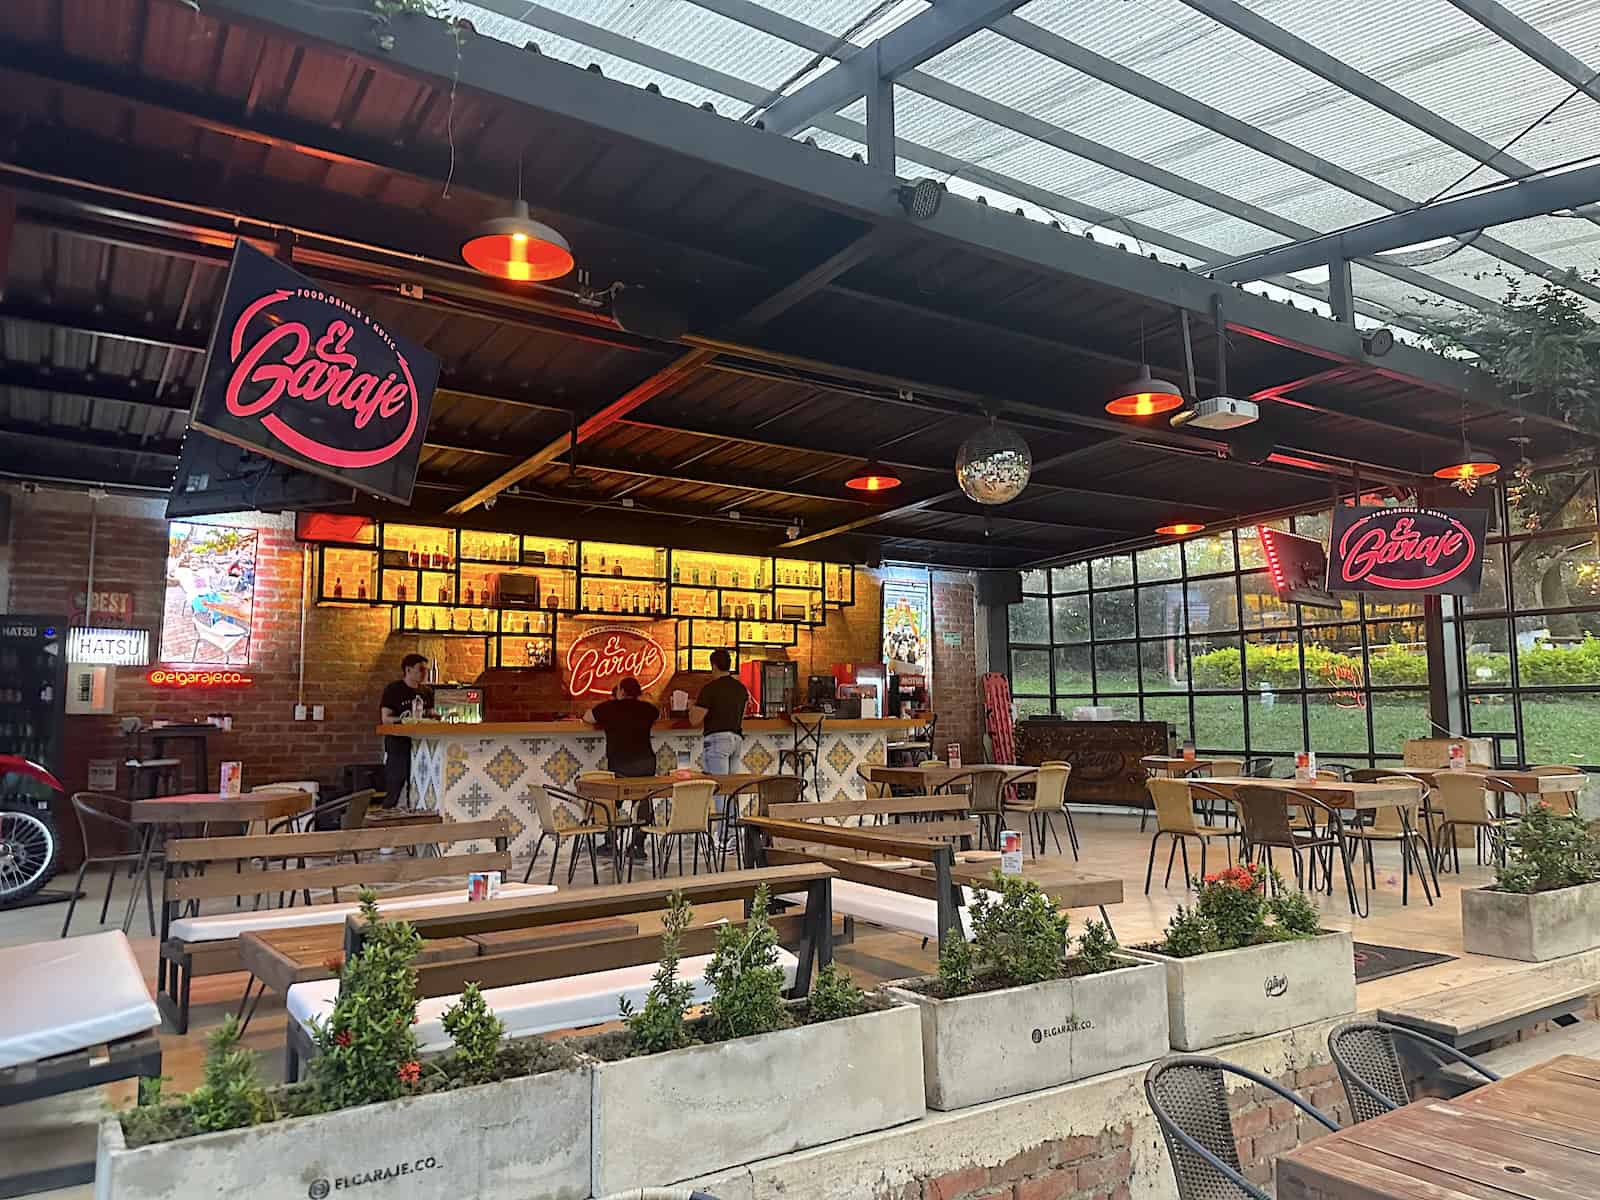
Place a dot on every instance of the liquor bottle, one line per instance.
(466, 593)
(676, 571)
(616, 568)
(526, 621)
(338, 587)
(602, 564)
(736, 577)
(433, 619)
(361, 589)
(444, 593)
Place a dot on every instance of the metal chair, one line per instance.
(1466, 805)
(1561, 803)
(750, 798)
(1175, 818)
(1188, 1093)
(101, 809)
(1264, 815)
(804, 756)
(1049, 800)
(1259, 767)
(1398, 824)
(566, 816)
(688, 815)
(986, 788)
(1368, 1062)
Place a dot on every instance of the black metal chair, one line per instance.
(102, 810)
(750, 799)
(1188, 1093)
(1264, 816)
(1368, 1061)
(803, 758)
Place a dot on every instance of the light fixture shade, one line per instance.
(994, 464)
(1145, 396)
(874, 477)
(518, 248)
(1179, 528)
(1471, 466)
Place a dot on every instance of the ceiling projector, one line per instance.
(1219, 412)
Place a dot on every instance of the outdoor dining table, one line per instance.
(161, 813)
(1522, 783)
(1532, 1136)
(1173, 766)
(608, 794)
(935, 775)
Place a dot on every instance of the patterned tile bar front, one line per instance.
(475, 772)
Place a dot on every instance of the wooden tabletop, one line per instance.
(938, 775)
(1532, 1136)
(197, 808)
(1171, 764)
(1069, 889)
(624, 788)
(1521, 783)
(1334, 792)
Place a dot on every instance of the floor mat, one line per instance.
(1379, 962)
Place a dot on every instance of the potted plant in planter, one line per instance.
(1545, 902)
(490, 1118)
(1242, 963)
(753, 1076)
(1013, 1011)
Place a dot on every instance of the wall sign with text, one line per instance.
(1427, 550)
(108, 647)
(907, 634)
(301, 375)
(598, 660)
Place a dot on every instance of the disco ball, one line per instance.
(993, 465)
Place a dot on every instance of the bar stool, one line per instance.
(148, 777)
(806, 751)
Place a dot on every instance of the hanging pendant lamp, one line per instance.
(518, 248)
(1144, 396)
(1179, 529)
(1472, 464)
(874, 477)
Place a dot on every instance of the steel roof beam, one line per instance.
(1096, 66)
(1505, 24)
(929, 33)
(1478, 210)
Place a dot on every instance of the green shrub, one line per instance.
(746, 980)
(835, 995)
(1397, 665)
(1021, 936)
(1295, 913)
(659, 1025)
(1235, 902)
(230, 1095)
(957, 967)
(478, 1035)
(1232, 910)
(367, 1048)
(1549, 850)
(1096, 949)
(1546, 664)
(1189, 934)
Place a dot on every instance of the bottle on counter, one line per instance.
(361, 589)
(400, 591)
(338, 587)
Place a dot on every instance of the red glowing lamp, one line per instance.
(518, 248)
(873, 478)
(1467, 470)
(1145, 396)
(1179, 529)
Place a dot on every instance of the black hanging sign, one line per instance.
(1429, 550)
(301, 375)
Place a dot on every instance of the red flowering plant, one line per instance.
(367, 1046)
(1244, 905)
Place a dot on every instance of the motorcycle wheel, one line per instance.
(29, 849)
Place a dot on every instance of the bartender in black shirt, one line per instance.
(399, 700)
(626, 720)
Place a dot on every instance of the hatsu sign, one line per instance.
(1437, 551)
(602, 657)
(301, 375)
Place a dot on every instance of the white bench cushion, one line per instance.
(533, 1008)
(231, 925)
(70, 994)
(895, 910)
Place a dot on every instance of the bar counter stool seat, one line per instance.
(688, 804)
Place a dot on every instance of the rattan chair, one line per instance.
(1561, 803)
(986, 799)
(1398, 824)
(1465, 804)
(1175, 818)
(566, 817)
(688, 815)
(1049, 801)
(1368, 1062)
(1264, 814)
(1188, 1093)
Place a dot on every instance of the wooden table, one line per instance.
(1532, 1136)
(622, 789)
(924, 779)
(1069, 889)
(1174, 767)
(201, 808)
(1333, 792)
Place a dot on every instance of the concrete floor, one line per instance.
(1112, 845)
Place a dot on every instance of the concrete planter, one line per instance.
(1534, 927)
(525, 1139)
(1021, 1039)
(1238, 994)
(663, 1118)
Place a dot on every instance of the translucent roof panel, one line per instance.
(1219, 143)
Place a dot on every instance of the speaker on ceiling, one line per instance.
(999, 588)
(1251, 443)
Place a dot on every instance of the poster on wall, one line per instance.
(301, 375)
(1421, 550)
(210, 598)
(907, 627)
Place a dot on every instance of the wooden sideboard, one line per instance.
(1105, 755)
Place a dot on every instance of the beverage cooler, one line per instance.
(458, 704)
(33, 686)
(773, 684)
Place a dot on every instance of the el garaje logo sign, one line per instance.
(301, 375)
(1437, 551)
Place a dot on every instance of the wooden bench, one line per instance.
(1582, 1039)
(1473, 1015)
(238, 870)
(572, 986)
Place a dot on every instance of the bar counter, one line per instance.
(472, 772)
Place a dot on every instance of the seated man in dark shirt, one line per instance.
(626, 720)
